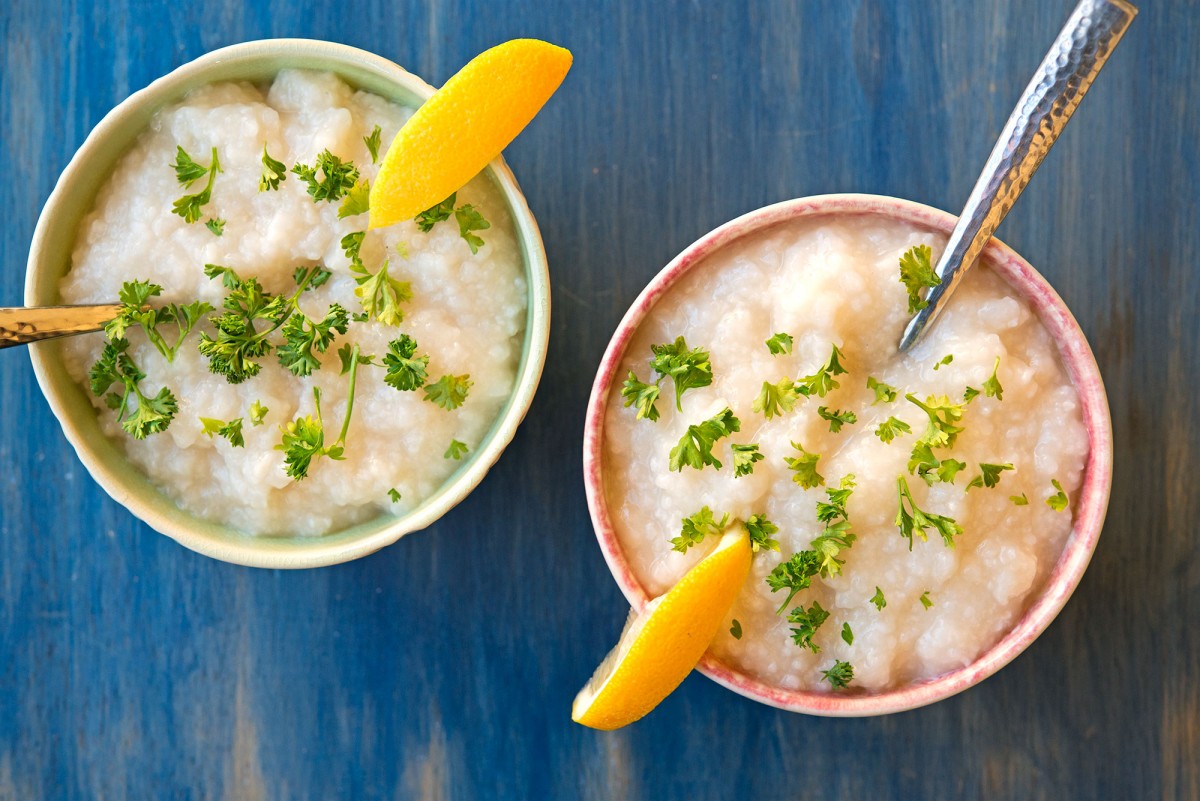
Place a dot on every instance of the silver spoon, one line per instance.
(1066, 73)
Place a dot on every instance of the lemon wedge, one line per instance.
(464, 125)
(659, 647)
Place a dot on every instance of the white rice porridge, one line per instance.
(467, 312)
(834, 281)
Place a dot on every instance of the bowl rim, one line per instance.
(1090, 504)
(222, 542)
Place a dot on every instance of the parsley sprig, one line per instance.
(688, 368)
(304, 438)
(916, 273)
(822, 382)
(467, 216)
(187, 171)
(140, 415)
(912, 521)
(696, 445)
(329, 179)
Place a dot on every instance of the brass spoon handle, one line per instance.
(1085, 43)
(22, 325)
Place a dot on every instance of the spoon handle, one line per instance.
(23, 325)
(1064, 77)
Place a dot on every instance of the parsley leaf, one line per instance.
(231, 431)
(689, 368)
(356, 201)
(970, 394)
(644, 395)
(914, 521)
(992, 387)
(188, 207)
(744, 457)
(352, 244)
(456, 451)
(945, 360)
(134, 297)
(807, 622)
(847, 634)
(216, 225)
(836, 538)
(780, 344)
(943, 418)
(925, 600)
(928, 467)
(187, 171)
(839, 675)
(1019, 500)
(836, 418)
(273, 172)
(795, 574)
(878, 599)
(891, 428)
(435, 214)
(775, 399)
(394, 495)
(152, 415)
(736, 629)
(372, 143)
(835, 507)
(258, 413)
(804, 467)
(470, 220)
(380, 294)
(1059, 500)
(696, 444)
(305, 338)
(916, 273)
(449, 391)
(884, 393)
(405, 370)
(822, 381)
(697, 527)
(329, 179)
(989, 475)
(760, 530)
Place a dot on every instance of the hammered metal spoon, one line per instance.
(1064, 77)
(25, 324)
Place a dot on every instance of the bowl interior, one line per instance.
(1089, 507)
(50, 258)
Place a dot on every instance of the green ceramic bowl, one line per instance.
(50, 256)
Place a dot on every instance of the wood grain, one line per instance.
(444, 666)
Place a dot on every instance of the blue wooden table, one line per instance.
(444, 666)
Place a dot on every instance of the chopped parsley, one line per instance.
(760, 530)
(794, 575)
(836, 418)
(149, 414)
(304, 339)
(925, 600)
(329, 179)
(304, 438)
(989, 475)
(847, 634)
(372, 143)
(836, 538)
(394, 495)
(929, 468)
(379, 294)
(878, 599)
(1059, 500)
(449, 391)
(356, 201)
(835, 507)
(469, 221)
(780, 344)
(913, 520)
(744, 457)
(970, 394)
(945, 360)
(688, 368)
(1019, 500)
(943, 416)
(456, 451)
(696, 444)
(839, 675)
(273, 173)
(822, 381)
(891, 428)
(736, 629)
(435, 214)
(231, 431)
(807, 622)
(775, 399)
(405, 370)
(187, 171)
(884, 393)
(992, 387)
(804, 467)
(697, 527)
(258, 413)
(916, 273)
(216, 225)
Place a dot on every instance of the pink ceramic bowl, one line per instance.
(1089, 505)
